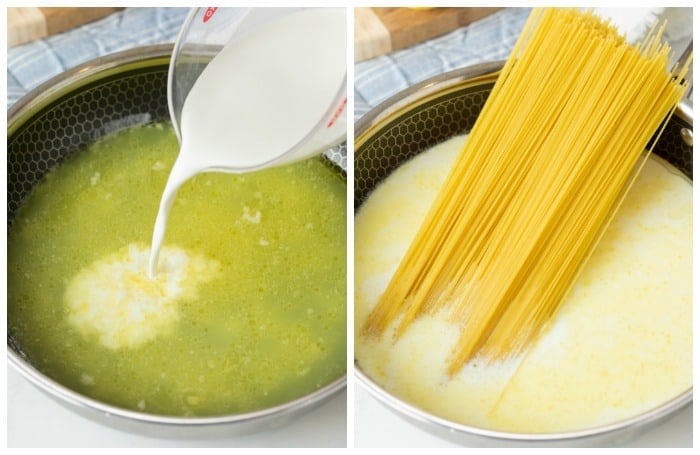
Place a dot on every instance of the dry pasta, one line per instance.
(552, 153)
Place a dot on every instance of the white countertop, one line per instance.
(36, 420)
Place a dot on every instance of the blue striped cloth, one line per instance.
(30, 64)
(489, 39)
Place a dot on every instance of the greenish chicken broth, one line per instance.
(248, 312)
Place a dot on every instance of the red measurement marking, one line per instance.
(337, 113)
(209, 13)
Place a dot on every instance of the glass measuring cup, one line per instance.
(252, 88)
(205, 32)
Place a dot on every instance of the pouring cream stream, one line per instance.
(264, 100)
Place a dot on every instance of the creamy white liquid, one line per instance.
(620, 345)
(258, 99)
(112, 300)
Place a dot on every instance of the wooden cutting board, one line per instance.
(382, 30)
(28, 24)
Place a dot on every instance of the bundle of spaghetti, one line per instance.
(555, 148)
